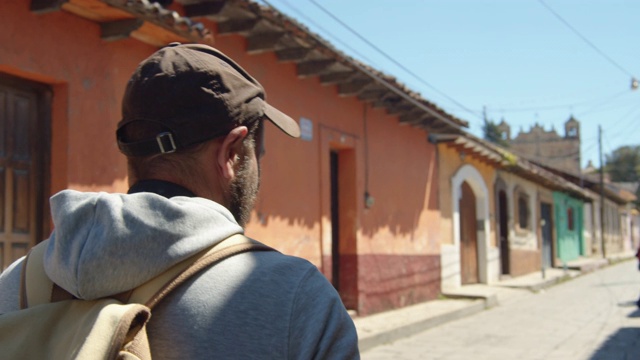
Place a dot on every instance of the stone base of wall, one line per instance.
(392, 281)
(524, 262)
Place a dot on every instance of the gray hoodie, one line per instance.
(257, 305)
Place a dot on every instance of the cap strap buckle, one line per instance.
(166, 143)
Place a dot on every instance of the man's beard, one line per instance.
(243, 192)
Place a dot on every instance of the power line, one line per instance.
(311, 21)
(388, 57)
(592, 45)
(384, 82)
(619, 121)
(625, 132)
(593, 144)
(603, 107)
(553, 107)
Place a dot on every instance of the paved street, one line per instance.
(590, 317)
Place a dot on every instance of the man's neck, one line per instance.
(161, 187)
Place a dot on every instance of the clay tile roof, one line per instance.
(504, 159)
(268, 30)
(168, 19)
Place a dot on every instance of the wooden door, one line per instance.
(23, 139)
(547, 235)
(503, 233)
(468, 236)
(335, 221)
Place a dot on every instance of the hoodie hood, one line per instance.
(104, 244)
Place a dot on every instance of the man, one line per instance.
(192, 131)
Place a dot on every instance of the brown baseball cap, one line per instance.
(194, 93)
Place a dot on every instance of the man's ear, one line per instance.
(230, 151)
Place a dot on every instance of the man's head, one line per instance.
(193, 116)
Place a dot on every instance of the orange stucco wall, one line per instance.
(87, 76)
(389, 253)
(394, 244)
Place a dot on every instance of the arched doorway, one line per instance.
(468, 235)
(487, 257)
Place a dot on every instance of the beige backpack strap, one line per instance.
(152, 292)
(35, 286)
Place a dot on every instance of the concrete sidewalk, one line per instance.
(392, 325)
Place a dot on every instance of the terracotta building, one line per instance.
(375, 193)
(357, 195)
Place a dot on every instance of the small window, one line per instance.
(570, 222)
(523, 211)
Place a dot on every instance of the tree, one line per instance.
(623, 165)
(492, 133)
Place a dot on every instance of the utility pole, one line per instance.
(604, 253)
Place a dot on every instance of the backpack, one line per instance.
(53, 325)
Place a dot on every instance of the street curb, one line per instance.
(549, 283)
(411, 329)
(489, 300)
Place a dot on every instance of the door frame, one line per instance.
(502, 225)
(473, 177)
(550, 230)
(346, 147)
(41, 147)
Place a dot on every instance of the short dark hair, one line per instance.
(181, 162)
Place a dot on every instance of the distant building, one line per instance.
(547, 147)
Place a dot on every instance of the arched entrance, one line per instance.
(477, 222)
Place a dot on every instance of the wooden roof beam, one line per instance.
(336, 77)
(438, 127)
(263, 41)
(414, 117)
(435, 125)
(386, 100)
(372, 94)
(292, 54)
(264, 37)
(45, 6)
(399, 107)
(119, 29)
(204, 8)
(353, 87)
(236, 26)
(314, 67)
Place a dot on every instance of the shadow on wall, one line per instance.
(398, 207)
(403, 185)
(624, 344)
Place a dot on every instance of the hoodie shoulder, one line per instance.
(10, 287)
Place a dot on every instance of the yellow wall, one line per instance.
(450, 162)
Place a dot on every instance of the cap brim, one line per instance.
(282, 121)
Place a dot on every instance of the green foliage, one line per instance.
(493, 134)
(623, 165)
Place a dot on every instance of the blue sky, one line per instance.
(514, 57)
